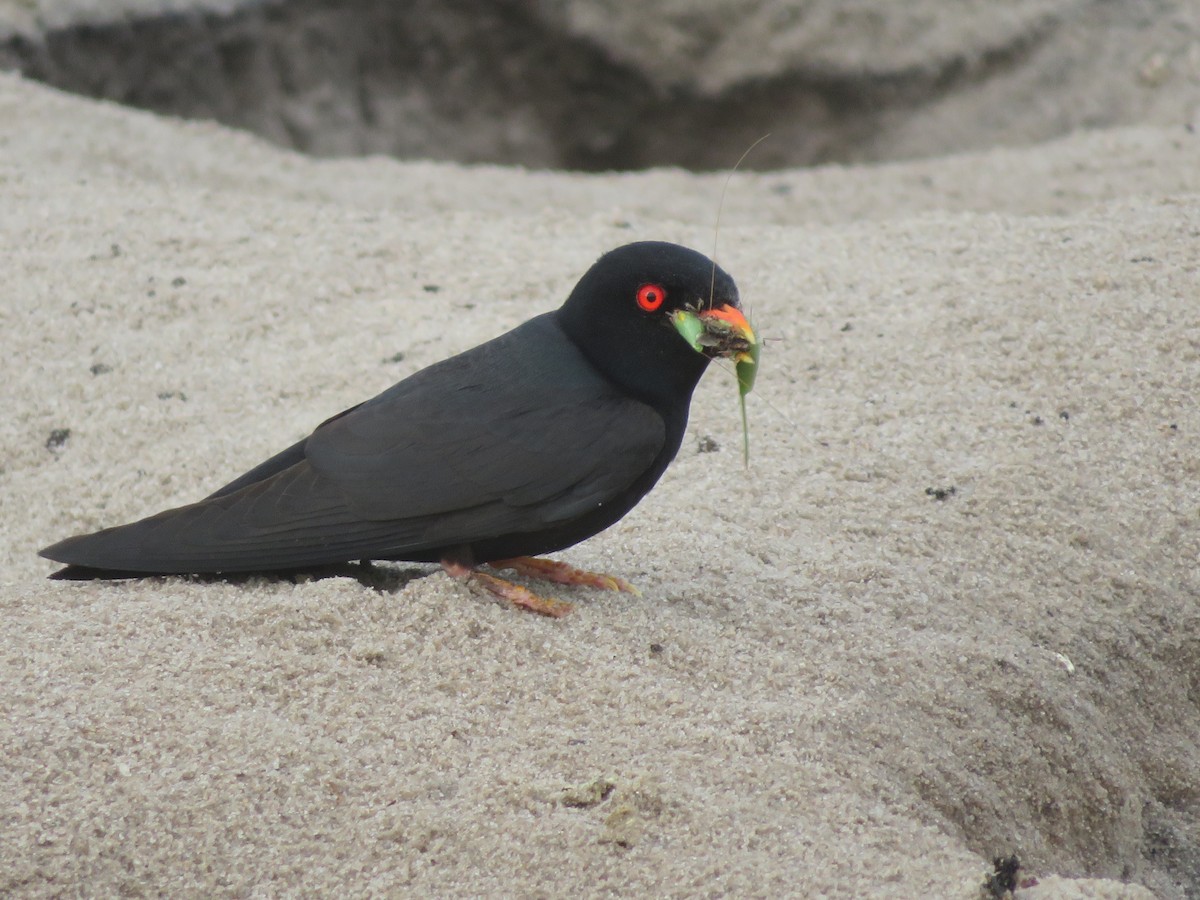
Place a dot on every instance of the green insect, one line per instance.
(727, 334)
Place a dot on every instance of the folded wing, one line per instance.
(516, 435)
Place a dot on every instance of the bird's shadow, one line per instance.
(383, 579)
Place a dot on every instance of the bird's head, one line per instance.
(651, 315)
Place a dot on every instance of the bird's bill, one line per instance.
(722, 331)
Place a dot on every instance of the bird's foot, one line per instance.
(514, 593)
(561, 573)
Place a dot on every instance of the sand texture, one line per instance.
(949, 612)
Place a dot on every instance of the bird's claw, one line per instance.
(522, 596)
(561, 573)
(515, 594)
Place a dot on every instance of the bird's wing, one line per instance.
(513, 436)
(500, 423)
(292, 520)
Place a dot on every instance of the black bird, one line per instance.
(526, 444)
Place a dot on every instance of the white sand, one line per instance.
(833, 682)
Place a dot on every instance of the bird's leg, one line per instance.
(506, 590)
(561, 573)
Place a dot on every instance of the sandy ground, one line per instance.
(948, 613)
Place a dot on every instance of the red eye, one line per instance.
(651, 296)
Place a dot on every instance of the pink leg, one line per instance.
(515, 594)
(561, 573)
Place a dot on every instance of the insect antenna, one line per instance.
(712, 285)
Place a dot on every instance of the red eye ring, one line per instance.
(651, 296)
